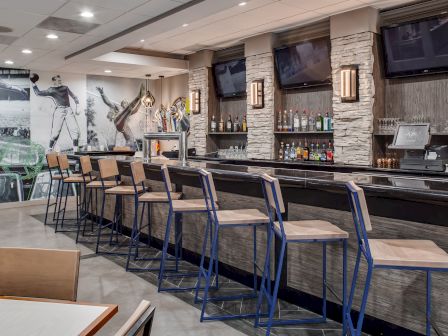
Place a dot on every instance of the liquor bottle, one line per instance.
(319, 123)
(323, 153)
(330, 152)
(213, 124)
(327, 124)
(304, 122)
(317, 152)
(306, 151)
(332, 122)
(311, 152)
(279, 121)
(293, 152)
(286, 154)
(236, 125)
(296, 123)
(281, 152)
(244, 125)
(229, 124)
(290, 121)
(221, 125)
(311, 123)
(299, 151)
(285, 121)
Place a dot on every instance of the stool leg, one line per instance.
(65, 207)
(278, 274)
(48, 201)
(149, 224)
(100, 225)
(264, 278)
(344, 288)
(428, 303)
(134, 232)
(210, 268)
(165, 249)
(255, 259)
(324, 280)
(352, 293)
(57, 201)
(202, 272)
(88, 206)
(137, 237)
(365, 295)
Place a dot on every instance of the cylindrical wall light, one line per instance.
(257, 94)
(349, 83)
(195, 101)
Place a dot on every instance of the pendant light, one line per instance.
(148, 100)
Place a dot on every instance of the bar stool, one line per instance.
(177, 207)
(306, 231)
(52, 163)
(68, 182)
(147, 199)
(398, 254)
(226, 219)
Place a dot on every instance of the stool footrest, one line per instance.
(228, 317)
(293, 322)
(232, 297)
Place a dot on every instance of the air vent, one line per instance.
(67, 25)
(4, 29)
(7, 39)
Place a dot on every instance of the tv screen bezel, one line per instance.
(241, 94)
(307, 84)
(408, 73)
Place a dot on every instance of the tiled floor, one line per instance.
(103, 279)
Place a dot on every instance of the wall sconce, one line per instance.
(257, 94)
(195, 101)
(349, 83)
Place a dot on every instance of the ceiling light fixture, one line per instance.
(241, 4)
(9, 62)
(142, 40)
(185, 25)
(52, 36)
(86, 14)
(107, 71)
(27, 51)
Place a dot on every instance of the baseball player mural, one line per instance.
(63, 112)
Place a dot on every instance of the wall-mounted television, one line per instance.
(304, 64)
(416, 48)
(230, 78)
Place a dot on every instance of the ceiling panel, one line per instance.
(124, 5)
(19, 21)
(154, 8)
(121, 23)
(72, 10)
(311, 4)
(44, 7)
(340, 7)
(15, 53)
(36, 38)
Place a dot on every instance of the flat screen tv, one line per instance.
(304, 64)
(416, 48)
(230, 78)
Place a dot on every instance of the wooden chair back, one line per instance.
(108, 168)
(52, 160)
(209, 186)
(86, 164)
(358, 197)
(271, 184)
(140, 322)
(121, 148)
(138, 172)
(63, 162)
(166, 176)
(39, 273)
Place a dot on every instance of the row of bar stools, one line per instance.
(147, 199)
(219, 220)
(398, 254)
(306, 231)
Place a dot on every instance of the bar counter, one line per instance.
(402, 206)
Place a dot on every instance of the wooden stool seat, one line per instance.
(189, 205)
(407, 253)
(78, 179)
(59, 176)
(107, 184)
(124, 190)
(158, 196)
(311, 229)
(244, 216)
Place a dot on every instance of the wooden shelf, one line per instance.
(227, 133)
(306, 132)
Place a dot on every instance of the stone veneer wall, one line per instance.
(260, 138)
(199, 79)
(353, 122)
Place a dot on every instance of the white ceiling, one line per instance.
(211, 24)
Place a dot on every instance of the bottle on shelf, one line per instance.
(213, 124)
(332, 122)
(304, 122)
(244, 125)
(323, 153)
(299, 151)
(286, 156)
(311, 152)
(285, 121)
(296, 123)
(293, 152)
(229, 124)
(327, 124)
(330, 152)
(281, 151)
(306, 151)
(290, 121)
(221, 125)
(319, 123)
(279, 121)
(311, 123)
(236, 125)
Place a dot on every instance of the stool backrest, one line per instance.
(360, 213)
(86, 164)
(108, 168)
(39, 273)
(63, 162)
(208, 188)
(52, 160)
(138, 172)
(166, 179)
(274, 200)
(140, 322)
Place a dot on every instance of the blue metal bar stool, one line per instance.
(176, 208)
(226, 219)
(399, 254)
(147, 199)
(306, 231)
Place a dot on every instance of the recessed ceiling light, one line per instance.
(9, 62)
(27, 51)
(241, 4)
(86, 14)
(52, 36)
(107, 71)
(142, 40)
(185, 25)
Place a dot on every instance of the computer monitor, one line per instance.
(411, 136)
